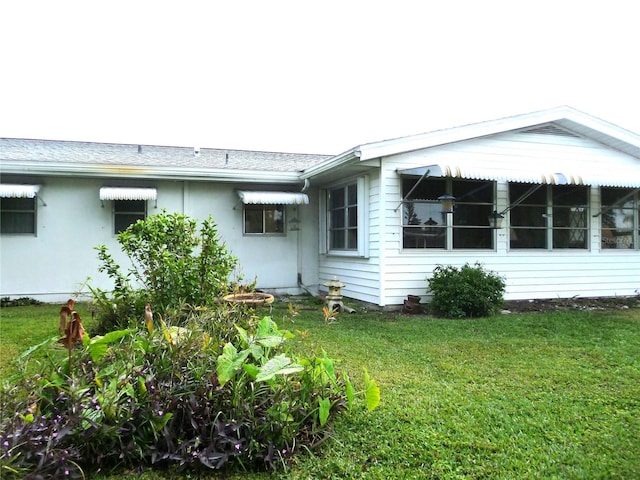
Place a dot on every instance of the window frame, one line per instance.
(449, 229)
(362, 215)
(33, 210)
(264, 208)
(120, 214)
(549, 228)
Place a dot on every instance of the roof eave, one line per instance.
(128, 171)
(332, 163)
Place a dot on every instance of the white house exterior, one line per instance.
(566, 183)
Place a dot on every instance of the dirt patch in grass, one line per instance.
(563, 304)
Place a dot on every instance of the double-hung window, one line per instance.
(343, 217)
(620, 218)
(425, 226)
(264, 220)
(551, 217)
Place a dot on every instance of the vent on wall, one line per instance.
(550, 130)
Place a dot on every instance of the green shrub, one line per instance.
(171, 396)
(469, 291)
(172, 265)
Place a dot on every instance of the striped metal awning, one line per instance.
(273, 198)
(127, 193)
(9, 190)
(622, 176)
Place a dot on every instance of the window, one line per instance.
(264, 220)
(18, 215)
(128, 212)
(425, 226)
(343, 217)
(620, 218)
(553, 216)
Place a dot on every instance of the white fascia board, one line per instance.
(129, 171)
(332, 163)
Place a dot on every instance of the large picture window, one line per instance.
(620, 218)
(425, 226)
(18, 215)
(264, 220)
(552, 217)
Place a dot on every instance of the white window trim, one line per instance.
(362, 184)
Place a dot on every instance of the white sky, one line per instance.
(300, 76)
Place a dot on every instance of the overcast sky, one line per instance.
(300, 76)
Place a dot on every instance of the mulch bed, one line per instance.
(559, 304)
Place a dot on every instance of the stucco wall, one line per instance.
(55, 263)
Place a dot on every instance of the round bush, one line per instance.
(469, 291)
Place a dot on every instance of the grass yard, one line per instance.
(522, 396)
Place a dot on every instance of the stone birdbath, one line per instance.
(251, 299)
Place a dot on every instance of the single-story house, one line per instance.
(564, 185)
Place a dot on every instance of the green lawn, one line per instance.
(519, 396)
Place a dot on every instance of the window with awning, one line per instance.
(129, 204)
(18, 208)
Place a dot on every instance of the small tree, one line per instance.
(172, 264)
(469, 291)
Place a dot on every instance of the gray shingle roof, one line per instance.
(89, 153)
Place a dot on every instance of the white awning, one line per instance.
(627, 176)
(127, 193)
(9, 190)
(273, 198)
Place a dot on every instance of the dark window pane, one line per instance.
(337, 219)
(472, 238)
(517, 190)
(427, 189)
(253, 221)
(337, 239)
(17, 222)
(352, 234)
(528, 238)
(570, 195)
(18, 215)
(472, 192)
(124, 220)
(477, 215)
(352, 194)
(423, 237)
(529, 216)
(337, 198)
(353, 216)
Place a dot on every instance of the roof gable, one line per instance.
(561, 119)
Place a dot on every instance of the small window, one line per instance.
(128, 212)
(264, 220)
(18, 215)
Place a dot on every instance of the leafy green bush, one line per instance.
(469, 291)
(171, 396)
(172, 265)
